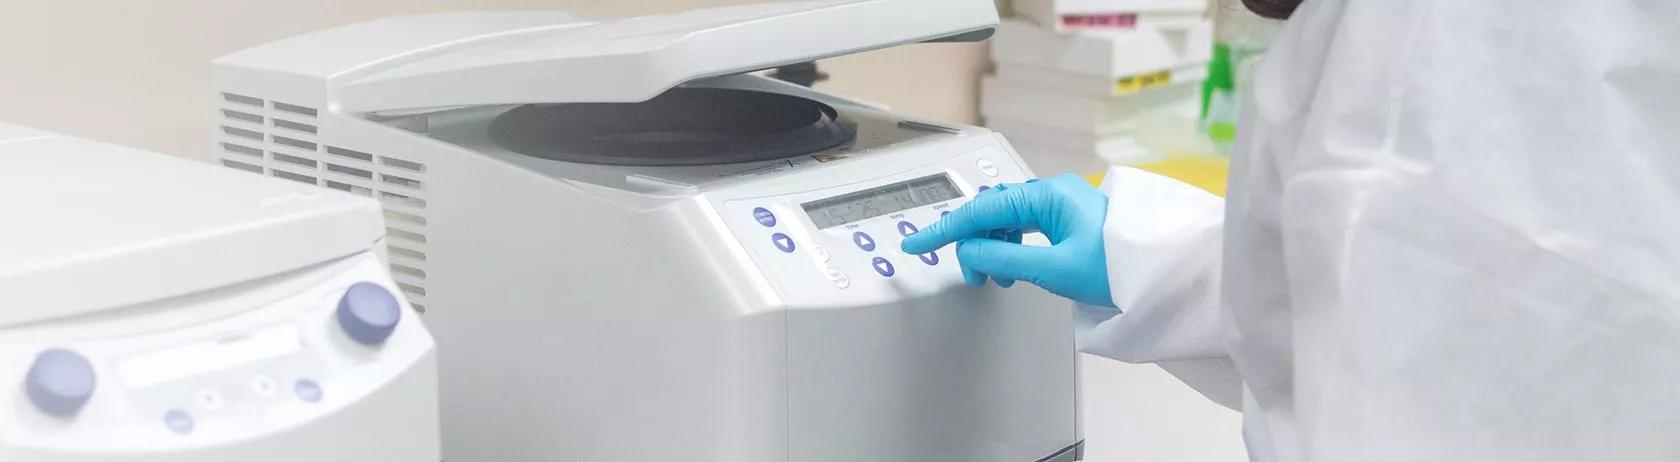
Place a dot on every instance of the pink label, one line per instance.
(1100, 21)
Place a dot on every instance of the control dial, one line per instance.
(60, 382)
(369, 313)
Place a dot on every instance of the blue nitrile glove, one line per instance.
(988, 229)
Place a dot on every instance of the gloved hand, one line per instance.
(988, 230)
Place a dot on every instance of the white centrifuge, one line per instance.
(629, 248)
(162, 310)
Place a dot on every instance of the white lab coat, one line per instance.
(1452, 234)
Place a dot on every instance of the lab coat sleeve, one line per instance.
(1162, 239)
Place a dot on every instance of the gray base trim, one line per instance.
(1068, 454)
(1073, 453)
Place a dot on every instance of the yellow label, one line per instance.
(1135, 83)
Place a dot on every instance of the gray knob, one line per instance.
(60, 382)
(369, 313)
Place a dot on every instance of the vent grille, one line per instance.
(282, 140)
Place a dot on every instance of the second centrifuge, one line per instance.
(629, 248)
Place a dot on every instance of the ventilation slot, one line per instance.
(408, 271)
(349, 154)
(294, 160)
(293, 108)
(404, 235)
(399, 199)
(399, 181)
(412, 289)
(352, 171)
(407, 218)
(243, 133)
(241, 149)
(407, 253)
(349, 188)
(290, 125)
(296, 143)
(257, 169)
(242, 99)
(242, 116)
(294, 176)
(411, 166)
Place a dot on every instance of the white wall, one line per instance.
(136, 72)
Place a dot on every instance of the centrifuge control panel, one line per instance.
(841, 245)
(304, 353)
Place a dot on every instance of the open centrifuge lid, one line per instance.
(504, 59)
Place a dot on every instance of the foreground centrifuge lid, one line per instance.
(91, 226)
(684, 126)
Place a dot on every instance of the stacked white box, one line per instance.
(1073, 100)
(1104, 54)
(1048, 108)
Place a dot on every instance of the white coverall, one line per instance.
(1452, 234)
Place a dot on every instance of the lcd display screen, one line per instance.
(202, 358)
(874, 202)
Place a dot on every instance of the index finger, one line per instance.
(1004, 208)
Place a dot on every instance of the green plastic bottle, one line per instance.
(1240, 39)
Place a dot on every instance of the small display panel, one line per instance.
(874, 202)
(187, 361)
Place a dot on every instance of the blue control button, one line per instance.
(369, 313)
(944, 214)
(764, 217)
(782, 242)
(930, 258)
(60, 382)
(984, 188)
(178, 421)
(863, 241)
(883, 266)
(308, 391)
(905, 228)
